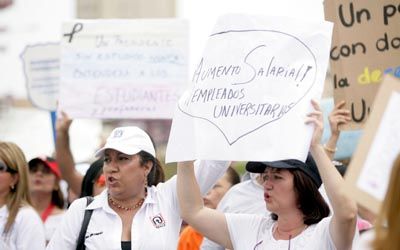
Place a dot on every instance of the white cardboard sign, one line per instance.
(123, 68)
(251, 91)
(41, 66)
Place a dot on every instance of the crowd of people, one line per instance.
(125, 201)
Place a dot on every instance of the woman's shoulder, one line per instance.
(27, 211)
(57, 211)
(324, 222)
(321, 227)
(80, 203)
(57, 215)
(89, 202)
(27, 215)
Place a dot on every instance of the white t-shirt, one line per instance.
(156, 224)
(27, 232)
(51, 224)
(255, 232)
(365, 240)
(246, 197)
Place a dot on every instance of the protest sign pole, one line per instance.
(53, 116)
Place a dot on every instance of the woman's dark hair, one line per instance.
(309, 199)
(156, 174)
(57, 197)
(92, 174)
(233, 176)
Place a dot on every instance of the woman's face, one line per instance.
(42, 179)
(6, 180)
(125, 177)
(279, 193)
(214, 196)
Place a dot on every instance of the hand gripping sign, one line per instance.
(253, 84)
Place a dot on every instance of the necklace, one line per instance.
(276, 231)
(119, 206)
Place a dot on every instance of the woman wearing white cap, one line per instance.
(299, 215)
(136, 211)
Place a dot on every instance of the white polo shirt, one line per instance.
(27, 232)
(156, 224)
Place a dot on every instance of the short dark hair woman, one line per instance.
(306, 181)
(299, 221)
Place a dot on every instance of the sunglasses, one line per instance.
(40, 167)
(4, 168)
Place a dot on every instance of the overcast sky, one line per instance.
(201, 13)
(204, 13)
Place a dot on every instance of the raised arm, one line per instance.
(208, 172)
(338, 116)
(64, 155)
(211, 223)
(343, 223)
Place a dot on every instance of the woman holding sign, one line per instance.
(299, 215)
(137, 210)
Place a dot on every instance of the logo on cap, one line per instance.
(158, 221)
(118, 133)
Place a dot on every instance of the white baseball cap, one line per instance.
(128, 140)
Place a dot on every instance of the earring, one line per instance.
(12, 187)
